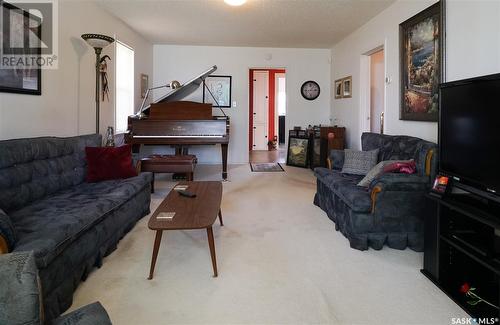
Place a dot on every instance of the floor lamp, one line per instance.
(98, 42)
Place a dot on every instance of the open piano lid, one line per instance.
(185, 89)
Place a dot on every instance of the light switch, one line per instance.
(234, 103)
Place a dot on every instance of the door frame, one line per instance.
(272, 101)
(276, 113)
(365, 84)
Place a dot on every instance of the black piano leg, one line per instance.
(136, 148)
(224, 161)
(181, 151)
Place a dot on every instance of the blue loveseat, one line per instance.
(69, 224)
(392, 209)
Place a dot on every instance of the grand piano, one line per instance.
(171, 121)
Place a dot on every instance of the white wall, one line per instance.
(472, 49)
(184, 62)
(473, 38)
(67, 105)
(346, 59)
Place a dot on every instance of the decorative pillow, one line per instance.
(7, 231)
(378, 170)
(337, 158)
(105, 163)
(359, 162)
(404, 167)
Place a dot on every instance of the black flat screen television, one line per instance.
(469, 133)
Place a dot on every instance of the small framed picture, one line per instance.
(144, 84)
(440, 184)
(219, 91)
(298, 152)
(347, 87)
(339, 89)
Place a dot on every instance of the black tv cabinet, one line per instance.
(462, 245)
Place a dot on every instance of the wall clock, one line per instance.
(310, 90)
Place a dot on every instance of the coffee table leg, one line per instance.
(156, 248)
(220, 218)
(212, 249)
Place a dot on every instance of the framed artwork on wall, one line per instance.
(347, 87)
(220, 89)
(20, 78)
(339, 90)
(298, 152)
(421, 64)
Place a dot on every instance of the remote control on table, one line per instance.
(186, 193)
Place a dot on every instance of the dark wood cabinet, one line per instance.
(321, 145)
(462, 245)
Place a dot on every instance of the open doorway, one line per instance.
(373, 90)
(377, 82)
(267, 114)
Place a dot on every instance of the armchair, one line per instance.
(390, 210)
(20, 296)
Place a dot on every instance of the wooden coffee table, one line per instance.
(190, 213)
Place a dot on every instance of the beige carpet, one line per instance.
(280, 261)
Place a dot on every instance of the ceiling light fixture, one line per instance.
(235, 2)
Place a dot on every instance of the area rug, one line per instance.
(266, 167)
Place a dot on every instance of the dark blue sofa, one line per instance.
(69, 224)
(391, 210)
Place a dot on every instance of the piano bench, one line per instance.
(182, 164)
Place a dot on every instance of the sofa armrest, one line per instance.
(400, 182)
(4, 248)
(335, 159)
(8, 236)
(88, 315)
(19, 289)
(389, 184)
(138, 166)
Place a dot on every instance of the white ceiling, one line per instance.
(258, 23)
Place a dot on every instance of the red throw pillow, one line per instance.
(401, 167)
(105, 163)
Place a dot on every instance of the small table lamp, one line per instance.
(173, 85)
(98, 42)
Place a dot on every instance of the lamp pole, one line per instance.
(97, 87)
(98, 42)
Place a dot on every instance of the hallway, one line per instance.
(265, 156)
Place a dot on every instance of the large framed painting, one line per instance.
(298, 152)
(220, 88)
(421, 64)
(18, 25)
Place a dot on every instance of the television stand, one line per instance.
(462, 246)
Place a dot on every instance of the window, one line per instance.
(124, 94)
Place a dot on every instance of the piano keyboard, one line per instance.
(179, 136)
